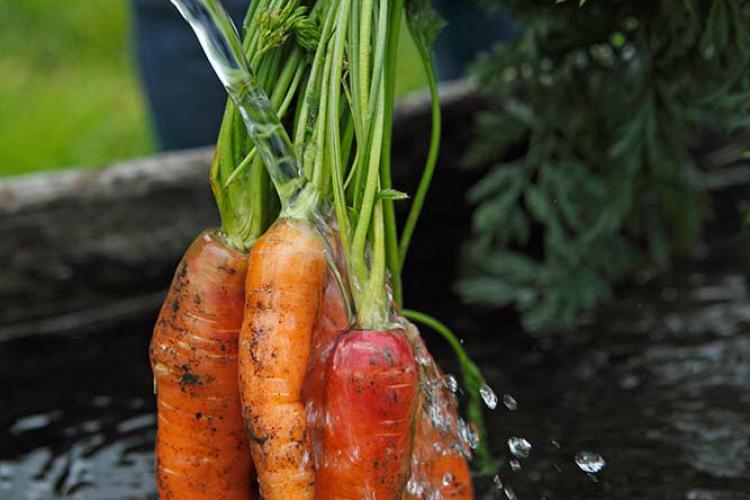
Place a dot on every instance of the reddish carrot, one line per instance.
(333, 322)
(201, 449)
(284, 288)
(371, 397)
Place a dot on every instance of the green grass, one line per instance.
(69, 94)
(68, 91)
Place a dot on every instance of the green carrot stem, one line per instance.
(373, 312)
(321, 157)
(391, 230)
(365, 17)
(359, 240)
(429, 170)
(293, 70)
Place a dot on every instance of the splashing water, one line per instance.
(422, 357)
(450, 382)
(467, 435)
(414, 488)
(589, 462)
(438, 421)
(510, 402)
(498, 482)
(221, 43)
(489, 396)
(519, 447)
(510, 493)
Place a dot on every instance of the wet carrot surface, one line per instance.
(332, 323)
(371, 398)
(284, 287)
(439, 467)
(201, 449)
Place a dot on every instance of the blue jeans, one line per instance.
(186, 99)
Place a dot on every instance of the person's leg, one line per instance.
(185, 97)
(470, 30)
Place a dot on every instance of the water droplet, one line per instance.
(439, 419)
(489, 397)
(422, 358)
(510, 403)
(514, 464)
(414, 488)
(451, 383)
(447, 479)
(467, 435)
(589, 462)
(498, 482)
(519, 447)
(510, 493)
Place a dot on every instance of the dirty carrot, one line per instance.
(284, 288)
(440, 468)
(371, 395)
(360, 446)
(201, 449)
(334, 321)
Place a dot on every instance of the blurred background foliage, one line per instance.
(595, 110)
(597, 105)
(69, 89)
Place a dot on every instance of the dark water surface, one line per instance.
(659, 386)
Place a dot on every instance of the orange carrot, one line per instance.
(284, 289)
(371, 397)
(439, 466)
(439, 469)
(201, 449)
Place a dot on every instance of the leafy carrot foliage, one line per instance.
(596, 107)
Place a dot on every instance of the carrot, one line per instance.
(333, 322)
(371, 397)
(439, 468)
(284, 288)
(201, 450)
(439, 465)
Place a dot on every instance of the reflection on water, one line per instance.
(96, 465)
(658, 389)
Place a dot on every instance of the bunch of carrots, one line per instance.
(284, 365)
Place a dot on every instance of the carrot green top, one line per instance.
(278, 35)
(333, 66)
(343, 130)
